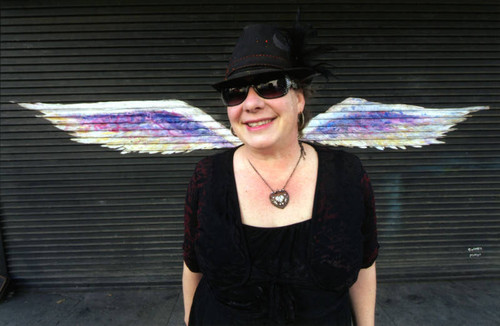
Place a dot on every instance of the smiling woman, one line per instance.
(277, 224)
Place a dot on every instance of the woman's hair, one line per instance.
(308, 92)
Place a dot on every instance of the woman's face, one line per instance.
(267, 123)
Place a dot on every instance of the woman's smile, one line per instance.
(258, 124)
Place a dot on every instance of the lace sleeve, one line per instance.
(191, 224)
(369, 228)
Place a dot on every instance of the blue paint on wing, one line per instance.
(159, 123)
(369, 121)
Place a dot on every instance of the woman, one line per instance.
(277, 231)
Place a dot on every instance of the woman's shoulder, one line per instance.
(336, 161)
(330, 152)
(222, 160)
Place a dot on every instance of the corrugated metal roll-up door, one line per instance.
(76, 215)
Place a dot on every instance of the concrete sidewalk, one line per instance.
(467, 302)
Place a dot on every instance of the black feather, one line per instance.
(303, 53)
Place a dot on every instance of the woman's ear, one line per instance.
(301, 100)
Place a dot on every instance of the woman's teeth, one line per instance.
(259, 123)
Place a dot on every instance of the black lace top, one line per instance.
(297, 274)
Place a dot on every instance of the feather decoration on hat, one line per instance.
(305, 54)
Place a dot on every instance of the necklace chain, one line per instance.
(280, 197)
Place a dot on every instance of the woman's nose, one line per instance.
(253, 100)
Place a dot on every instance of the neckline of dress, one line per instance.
(235, 190)
(269, 228)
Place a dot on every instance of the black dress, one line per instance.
(298, 274)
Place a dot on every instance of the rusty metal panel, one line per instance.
(80, 215)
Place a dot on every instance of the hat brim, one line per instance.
(246, 76)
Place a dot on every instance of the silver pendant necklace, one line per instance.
(280, 198)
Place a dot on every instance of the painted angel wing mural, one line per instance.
(357, 122)
(165, 127)
(173, 126)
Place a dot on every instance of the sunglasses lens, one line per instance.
(270, 89)
(234, 95)
(273, 88)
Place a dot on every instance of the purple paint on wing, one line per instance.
(153, 122)
(370, 121)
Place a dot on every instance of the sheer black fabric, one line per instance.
(298, 274)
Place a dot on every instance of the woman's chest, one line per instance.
(255, 197)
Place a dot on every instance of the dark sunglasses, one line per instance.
(269, 89)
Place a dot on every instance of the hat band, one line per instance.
(248, 69)
(257, 60)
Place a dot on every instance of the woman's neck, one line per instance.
(276, 157)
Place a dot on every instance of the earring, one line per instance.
(301, 120)
(232, 131)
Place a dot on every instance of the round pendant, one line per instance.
(279, 198)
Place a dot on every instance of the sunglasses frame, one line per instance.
(289, 84)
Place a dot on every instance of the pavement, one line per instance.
(443, 303)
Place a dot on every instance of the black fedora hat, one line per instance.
(264, 49)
